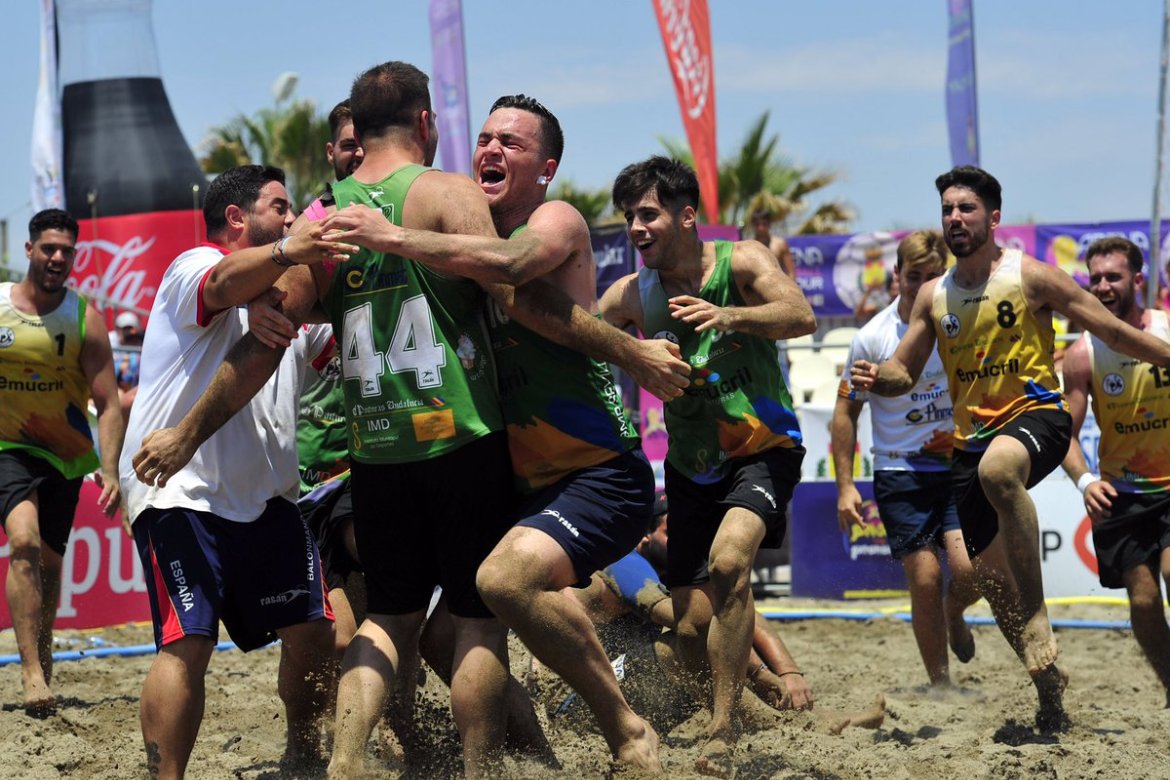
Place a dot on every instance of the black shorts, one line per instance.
(762, 484)
(327, 509)
(1135, 534)
(1045, 433)
(432, 522)
(22, 474)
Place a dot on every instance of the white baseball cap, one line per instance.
(126, 319)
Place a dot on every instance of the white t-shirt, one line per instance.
(911, 432)
(253, 457)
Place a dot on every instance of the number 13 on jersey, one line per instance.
(413, 347)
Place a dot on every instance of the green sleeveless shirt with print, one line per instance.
(416, 360)
(737, 404)
(563, 409)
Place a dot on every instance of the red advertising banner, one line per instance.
(686, 34)
(121, 260)
(101, 577)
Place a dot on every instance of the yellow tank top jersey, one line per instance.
(43, 390)
(1131, 401)
(997, 354)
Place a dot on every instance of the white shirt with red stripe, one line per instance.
(253, 457)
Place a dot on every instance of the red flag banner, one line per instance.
(686, 34)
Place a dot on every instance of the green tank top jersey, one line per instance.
(563, 409)
(416, 360)
(322, 435)
(737, 404)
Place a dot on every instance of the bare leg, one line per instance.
(729, 639)
(306, 682)
(28, 606)
(1003, 472)
(962, 592)
(521, 581)
(171, 709)
(1148, 616)
(525, 735)
(924, 578)
(367, 674)
(999, 588)
(479, 677)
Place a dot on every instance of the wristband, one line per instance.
(785, 674)
(278, 255)
(754, 673)
(1086, 479)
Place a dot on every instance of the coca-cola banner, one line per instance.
(121, 260)
(101, 578)
(686, 34)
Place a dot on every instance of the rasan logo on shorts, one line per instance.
(560, 519)
(284, 598)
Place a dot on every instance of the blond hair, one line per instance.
(922, 247)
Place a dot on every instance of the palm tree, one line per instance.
(290, 135)
(758, 175)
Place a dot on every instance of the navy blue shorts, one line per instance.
(916, 507)
(596, 514)
(256, 577)
(1045, 433)
(432, 522)
(1134, 535)
(21, 475)
(328, 509)
(762, 484)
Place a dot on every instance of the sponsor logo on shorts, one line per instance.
(560, 519)
(284, 598)
(1035, 442)
(183, 590)
(668, 335)
(766, 494)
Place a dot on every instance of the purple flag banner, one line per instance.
(962, 112)
(450, 76)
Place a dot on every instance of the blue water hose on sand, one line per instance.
(99, 649)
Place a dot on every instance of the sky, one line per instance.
(1067, 88)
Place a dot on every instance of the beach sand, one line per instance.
(981, 729)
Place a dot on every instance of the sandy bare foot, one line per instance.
(1040, 650)
(717, 758)
(872, 718)
(960, 638)
(1050, 715)
(641, 753)
(39, 701)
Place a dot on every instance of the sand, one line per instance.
(1120, 727)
